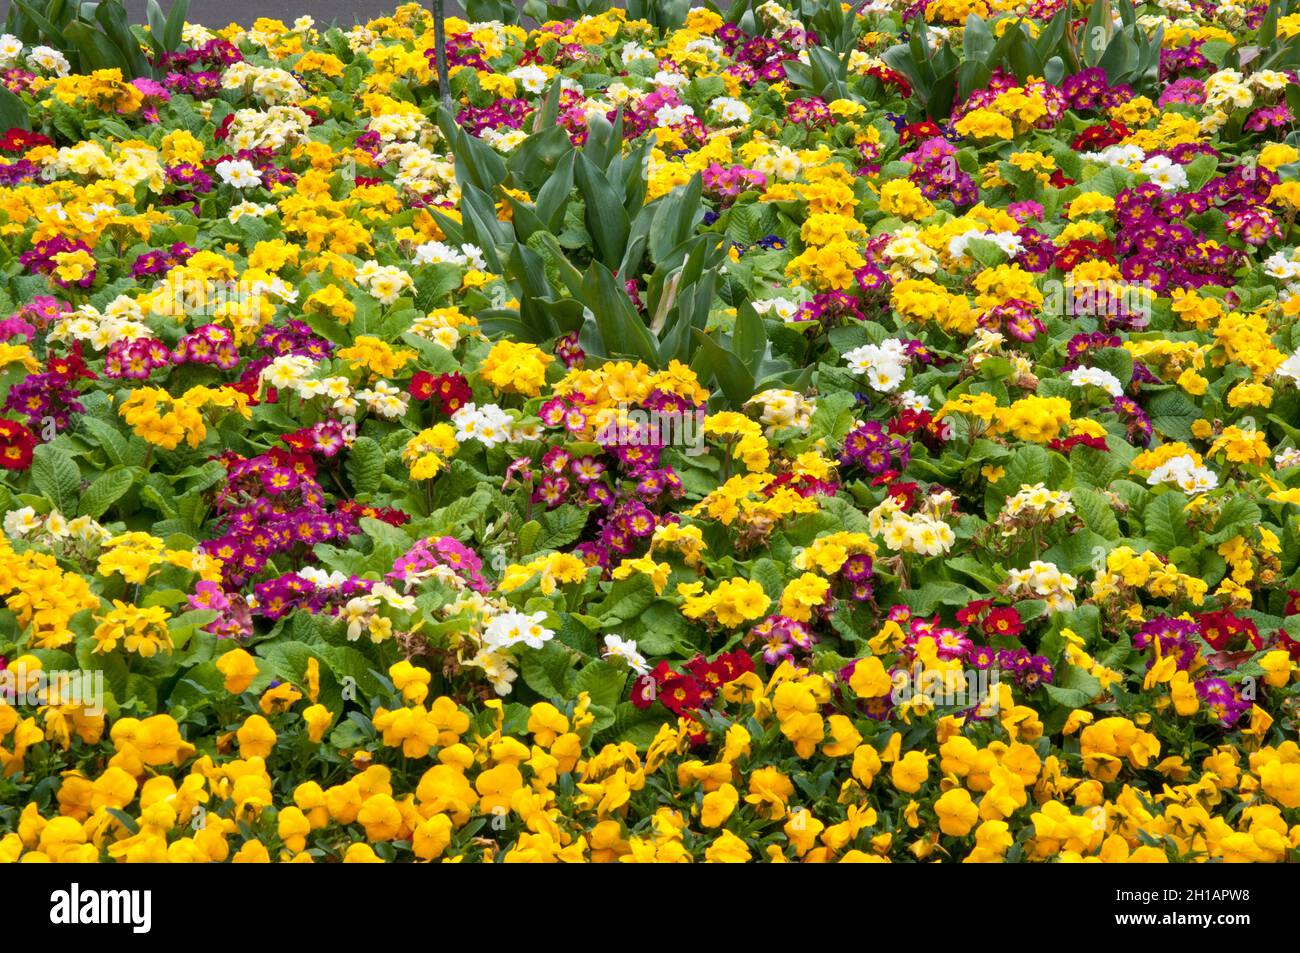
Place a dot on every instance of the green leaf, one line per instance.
(288, 660)
(433, 283)
(1172, 414)
(767, 573)
(675, 218)
(95, 49)
(659, 628)
(1116, 360)
(1078, 551)
(1165, 522)
(1073, 687)
(365, 466)
(621, 329)
(346, 662)
(56, 477)
(636, 725)
(556, 529)
(578, 632)
(528, 534)
(833, 418)
(157, 25)
(175, 24)
(112, 664)
(733, 377)
(462, 511)
(116, 447)
(1096, 512)
(389, 542)
(749, 340)
(548, 671)
(107, 489)
(627, 598)
(125, 819)
(112, 18)
(13, 113)
(158, 501)
(603, 681)
(932, 594)
(1237, 518)
(847, 516)
(986, 576)
(606, 218)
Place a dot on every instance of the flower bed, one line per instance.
(802, 436)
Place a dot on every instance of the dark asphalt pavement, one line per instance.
(219, 13)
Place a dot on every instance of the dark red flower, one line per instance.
(897, 80)
(223, 131)
(16, 445)
(680, 693)
(422, 385)
(919, 132)
(644, 691)
(909, 420)
(20, 140)
(1291, 645)
(1098, 137)
(300, 440)
(1003, 621)
(452, 391)
(1067, 444)
(1222, 629)
(905, 492)
(972, 610)
(733, 665)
